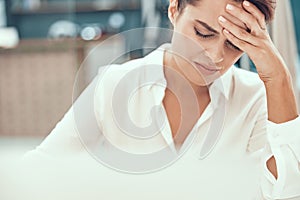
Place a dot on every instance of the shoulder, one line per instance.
(154, 58)
(246, 78)
(110, 75)
(127, 77)
(247, 96)
(134, 72)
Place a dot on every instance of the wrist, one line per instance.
(281, 100)
(278, 80)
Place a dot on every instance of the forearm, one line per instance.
(282, 106)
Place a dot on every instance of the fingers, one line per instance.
(260, 17)
(254, 20)
(251, 17)
(243, 45)
(237, 31)
(245, 17)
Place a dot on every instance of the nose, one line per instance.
(215, 53)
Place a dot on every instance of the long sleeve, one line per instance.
(284, 145)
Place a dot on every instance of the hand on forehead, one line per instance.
(233, 19)
(209, 11)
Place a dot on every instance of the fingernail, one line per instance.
(222, 19)
(229, 7)
(225, 30)
(246, 3)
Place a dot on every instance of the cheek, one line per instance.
(185, 46)
(184, 39)
(231, 58)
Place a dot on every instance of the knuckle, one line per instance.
(241, 43)
(261, 18)
(240, 12)
(262, 53)
(252, 20)
(243, 34)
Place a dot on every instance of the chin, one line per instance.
(204, 80)
(201, 75)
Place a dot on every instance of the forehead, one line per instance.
(209, 11)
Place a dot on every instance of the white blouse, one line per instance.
(121, 122)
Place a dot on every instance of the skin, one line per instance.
(236, 25)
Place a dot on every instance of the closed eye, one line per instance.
(232, 46)
(198, 33)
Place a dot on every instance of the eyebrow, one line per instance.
(207, 26)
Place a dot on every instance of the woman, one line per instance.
(229, 118)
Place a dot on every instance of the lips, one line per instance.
(205, 69)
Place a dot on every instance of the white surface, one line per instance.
(9, 37)
(11, 148)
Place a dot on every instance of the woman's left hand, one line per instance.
(271, 68)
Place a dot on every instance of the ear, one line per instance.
(173, 11)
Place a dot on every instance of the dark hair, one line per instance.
(267, 7)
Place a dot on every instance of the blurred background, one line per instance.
(44, 42)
